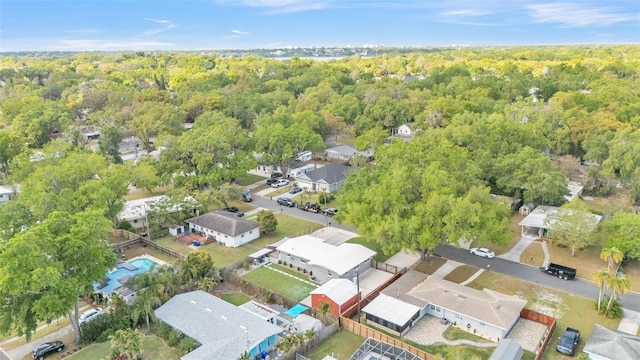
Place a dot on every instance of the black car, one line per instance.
(330, 211)
(47, 348)
(273, 178)
(286, 202)
(232, 209)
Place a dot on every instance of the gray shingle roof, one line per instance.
(224, 222)
(224, 330)
(612, 344)
(331, 174)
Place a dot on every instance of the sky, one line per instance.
(110, 25)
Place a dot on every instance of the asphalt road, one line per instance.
(533, 274)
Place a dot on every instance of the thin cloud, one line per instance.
(95, 44)
(576, 15)
(275, 7)
(167, 26)
(240, 32)
(467, 12)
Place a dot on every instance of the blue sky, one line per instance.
(83, 25)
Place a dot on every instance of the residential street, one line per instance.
(533, 274)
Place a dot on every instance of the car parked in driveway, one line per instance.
(295, 190)
(89, 315)
(232, 209)
(482, 252)
(286, 202)
(273, 178)
(280, 183)
(46, 349)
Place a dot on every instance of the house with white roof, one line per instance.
(5, 193)
(575, 190)
(346, 152)
(340, 294)
(222, 330)
(486, 313)
(323, 260)
(542, 218)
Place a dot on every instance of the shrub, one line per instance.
(614, 312)
(186, 345)
(291, 266)
(324, 198)
(279, 262)
(174, 338)
(245, 265)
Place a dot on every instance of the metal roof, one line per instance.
(338, 290)
(391, 309)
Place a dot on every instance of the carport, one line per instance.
(260, 257)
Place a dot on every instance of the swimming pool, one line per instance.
(296, 310)
(123, 272)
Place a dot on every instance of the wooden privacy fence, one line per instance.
(367, 332)
(135, 239)
(353, 310)
(547, 320)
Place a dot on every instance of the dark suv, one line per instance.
(47, 348)
(274, 177)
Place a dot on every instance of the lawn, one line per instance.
(278, 283)
(570, 310)
(461, 273)
(152, 348)
(430, 266)
(141, 193)
(249, 179)
(533, 255)
(372, 245)
(236, 299)
(288, 226)
(340, 345)
(455, 333)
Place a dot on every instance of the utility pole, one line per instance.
(358, 286)
(146, 220)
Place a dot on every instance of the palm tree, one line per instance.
(205, 284)
(244, 356)
(602, 279)
(127, 343)
(144, 304)
(619, 284)
(612, 256)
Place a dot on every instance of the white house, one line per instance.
(575, 190)
(5, 193)
(225, 227)
(486, 313)
(328, 178)
(135, 211)
(405, 130)
(298, 168)
(345, 152)
(543, 217)
(324, 260)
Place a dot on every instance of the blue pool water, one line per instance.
(128, 269)
(296, 310)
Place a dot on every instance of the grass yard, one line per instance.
(372, 245)
(458, 352)
(608, 205)
(284, 285)
(461, 273)
(141, 193)
(430, 266)
(533, 255)
(249, 179)
(515, 228)
(152, 348)
(341, 346)
(455, 333)
(570, 310)
(236, 299)
(288, 226)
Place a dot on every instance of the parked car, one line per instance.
(286, 202)
(295, 190)
(483, 252)
(568, 341)
(232, 209)
(89, 315)
(246, 196)
(330, 211)
(46, 349)
(273, 178)
(280, 183)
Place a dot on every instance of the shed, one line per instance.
(507, 349)
(175, 230)
(340, 294)
(304, 322)
(526, 209)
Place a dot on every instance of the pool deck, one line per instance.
(147, 256)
